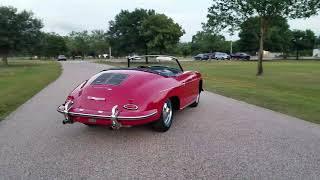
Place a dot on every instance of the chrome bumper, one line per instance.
(115, 116)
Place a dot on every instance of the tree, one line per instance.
(184, 49)
(303, 40)
(98, 42)
(317, 42)
(231, 13)
(18, 30)
(51, 45)
(78, 43)
(209, 42)
(160, 32)
(87, 43)
(277, 38)
(125, 32)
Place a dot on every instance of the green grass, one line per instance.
(290, 87)
(23, 79)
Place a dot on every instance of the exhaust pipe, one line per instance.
(66, 121)
(115, 125)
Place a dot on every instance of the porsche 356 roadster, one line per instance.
(147, 91)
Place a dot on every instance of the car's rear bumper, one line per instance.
(120, 119)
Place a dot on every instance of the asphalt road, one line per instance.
(221, 139)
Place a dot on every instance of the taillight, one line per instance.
(70, 98)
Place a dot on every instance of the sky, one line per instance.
(64, 16)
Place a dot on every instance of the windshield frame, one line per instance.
(171, 58)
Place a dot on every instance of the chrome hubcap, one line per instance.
(167, 113)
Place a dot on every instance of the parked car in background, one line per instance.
(240, 56)
(202, 57)
(210, 55)
(221, 56)
(77, 57)
(62, 58)
(134, 57)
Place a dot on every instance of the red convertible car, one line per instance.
(146, 92)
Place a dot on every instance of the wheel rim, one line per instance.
(167, 113)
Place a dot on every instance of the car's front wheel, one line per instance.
(165, 121)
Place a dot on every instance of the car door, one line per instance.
(187, 89)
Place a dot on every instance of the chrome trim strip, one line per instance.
(96, 98)
(137, 117)
(110, 117)
(167, 89)
(172, 58)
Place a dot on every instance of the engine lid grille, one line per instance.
(110, 79)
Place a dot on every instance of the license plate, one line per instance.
(92, 120)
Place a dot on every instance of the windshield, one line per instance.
(162, 65)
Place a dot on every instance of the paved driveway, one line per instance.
(222, 138)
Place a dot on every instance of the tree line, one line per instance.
(147, 32)
(230, 14)
(140, 31)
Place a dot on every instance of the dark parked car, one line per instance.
(201, 57)
(241, 56)
(62, 58)
(210, 55)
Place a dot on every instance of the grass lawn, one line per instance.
(290, 87)
(23, 79)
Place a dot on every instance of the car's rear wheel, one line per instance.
(165, 121)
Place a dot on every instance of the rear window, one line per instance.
(109, 79)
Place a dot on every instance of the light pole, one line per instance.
(110, 52)
(231, 44)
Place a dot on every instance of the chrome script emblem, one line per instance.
(96, 98)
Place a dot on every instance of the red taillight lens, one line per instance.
(70, 98)
(131, 107)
